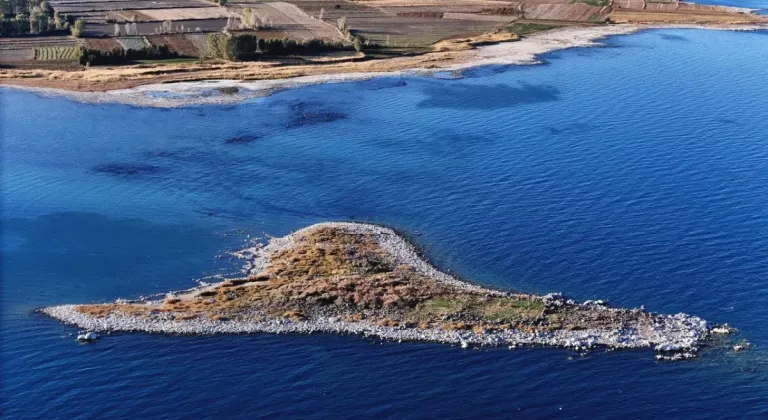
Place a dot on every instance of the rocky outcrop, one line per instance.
(366, 279)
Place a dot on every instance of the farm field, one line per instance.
(101, 44)
(643, 16)
(154, 28)
(180, 44)
(398, 27)
(290, 19)
(398, 23)
(578, 12)
(69, 7)
(132, 43)
(184, 13)
(15, 50)
(57, 53)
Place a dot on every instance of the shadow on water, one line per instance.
(491, 70)
(383, 83)
(309, 113)
(673, 37)
(467, 96)
(127, 170)
(726, 121)
(240, 140)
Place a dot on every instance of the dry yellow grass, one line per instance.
(109, 78)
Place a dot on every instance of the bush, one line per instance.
(77, 28)
(17, 25)
(220, 46)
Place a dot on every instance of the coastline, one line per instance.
(258, 80)
(673, 337)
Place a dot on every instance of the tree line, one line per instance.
(117, 56)
(249, 47)
(22, 17)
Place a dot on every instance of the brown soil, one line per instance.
(330, 271)
(102, 44)
(178, 43)
(108, 78)
(640, 16)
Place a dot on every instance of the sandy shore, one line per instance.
(258, 79)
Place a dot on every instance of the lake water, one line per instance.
(636, 173)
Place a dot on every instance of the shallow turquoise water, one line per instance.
(637, 173)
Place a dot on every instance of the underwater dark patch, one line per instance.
(310, 118)
(239, 140)
(672, 37)
(468, 96)
(127, 169)
(485, 71)
(377, 84)
(160, 154)
(220, 213)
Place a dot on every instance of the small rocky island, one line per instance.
(366, 279)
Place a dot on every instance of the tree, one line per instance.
(77, 29)
(358, 43)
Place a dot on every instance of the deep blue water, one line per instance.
(636, 173)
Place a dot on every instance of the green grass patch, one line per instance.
(57, 53)
(494, 309)
(438, 307)
(528, 28)
(168, 61)
(510, 310)
(599, 3)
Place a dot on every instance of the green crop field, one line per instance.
(57, 53)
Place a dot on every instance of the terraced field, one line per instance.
(18, 50)
(132, 43)
(419, 23)
(289, 18)
(578, 12)
(57, 53)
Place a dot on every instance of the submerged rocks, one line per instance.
(241, 140)
(127, 169)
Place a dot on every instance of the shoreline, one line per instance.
(673, 337)
(264, 82)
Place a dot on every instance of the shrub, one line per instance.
(77, 29)
(528, 28)
(220, 46)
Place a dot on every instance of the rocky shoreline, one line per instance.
(388, 301)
